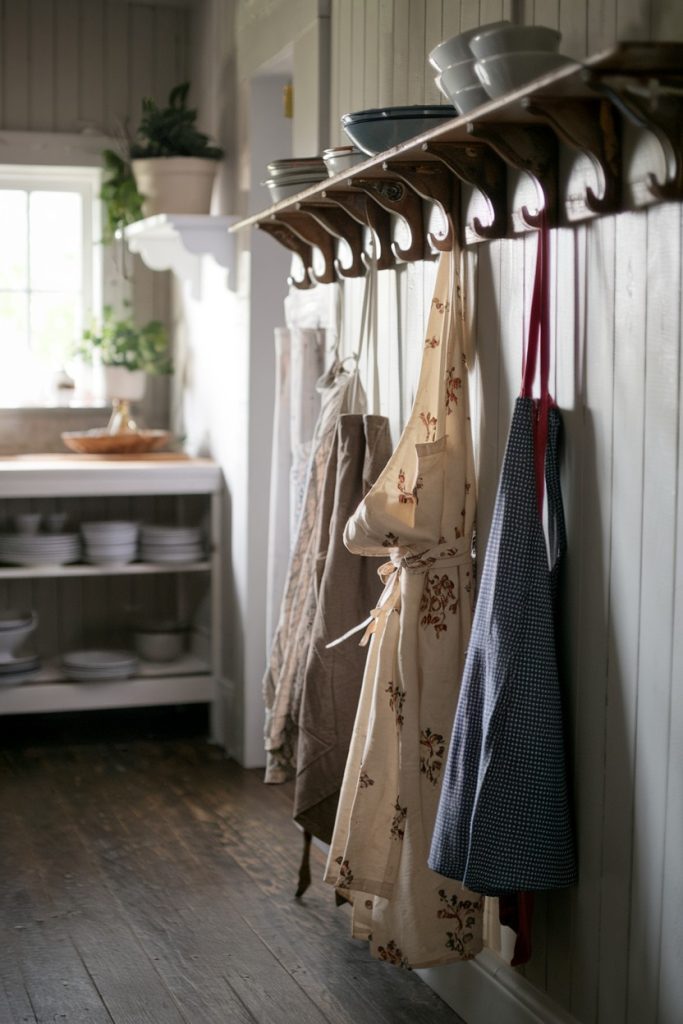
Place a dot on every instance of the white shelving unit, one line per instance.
(178, 241)
(74, 482)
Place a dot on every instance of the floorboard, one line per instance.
(148, 880)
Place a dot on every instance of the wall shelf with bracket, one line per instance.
(177, 242)
(588, 139)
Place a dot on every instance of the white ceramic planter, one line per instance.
(124, 384)
(175, 184)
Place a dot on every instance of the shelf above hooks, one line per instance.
(563, 144)
(177, 242)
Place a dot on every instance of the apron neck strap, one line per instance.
(539, 320)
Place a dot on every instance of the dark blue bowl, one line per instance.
(376, 130)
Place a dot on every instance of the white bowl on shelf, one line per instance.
(27, 522)
(470, 98)
(510, 71)
(160, 644)
(456, 77)
(457, 48)
(492, 41)
(15, 627)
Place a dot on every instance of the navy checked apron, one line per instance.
(503, 823)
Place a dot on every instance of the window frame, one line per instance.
(72, 162)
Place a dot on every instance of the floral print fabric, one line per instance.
(420, 513)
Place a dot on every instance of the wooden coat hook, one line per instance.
(338, 224)
(395, 197)
(528, 148)
(591, 127)
(477, 165)
(657, 106)
(285, 236)
(309, 230)
(370, 215)
(432, 181)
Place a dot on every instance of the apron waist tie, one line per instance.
(390, 574)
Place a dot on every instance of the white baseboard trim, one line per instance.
(488, 991)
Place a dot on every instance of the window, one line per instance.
(50, 275)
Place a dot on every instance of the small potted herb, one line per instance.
(126, 354)
(174, 164)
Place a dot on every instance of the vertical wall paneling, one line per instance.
(385, 53)
(656, 620)
(416, 51)
(67, 65)
(670, 986)
(371, 47)
(141, 44)
(346, 66)
(590, 542)
(433, 34)
(490, 10)
(16, 66)
(623, 625)
(41, 48)
(167, 27)
(573, 22)
(402, 47)
(92, 50)
(116, 56)
(335, 72)
(450, 18)
(359, 44)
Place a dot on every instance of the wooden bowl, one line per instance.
(99, 442)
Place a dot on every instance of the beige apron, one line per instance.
(420, 513)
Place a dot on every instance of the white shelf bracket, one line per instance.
(177, 242)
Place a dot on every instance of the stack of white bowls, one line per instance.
(165, 544)
(99, 665)
(39, 548)
(489, 61)
(15, 628)
(292, 175)
(110, 542)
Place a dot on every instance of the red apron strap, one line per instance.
(539, 338)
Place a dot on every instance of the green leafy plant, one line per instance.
(171, 130)
(122, 201)
(118, 342)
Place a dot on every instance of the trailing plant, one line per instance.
(122, 201)
(171, 130)
(118, 342)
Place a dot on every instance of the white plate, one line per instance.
(171, 556)
(19, 663)
(170, 534)
(99, 677)
(171, 549)
(98, 659)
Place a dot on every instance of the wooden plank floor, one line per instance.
(144, 879)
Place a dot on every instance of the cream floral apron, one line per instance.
(420, 513)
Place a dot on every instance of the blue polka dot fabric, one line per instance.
(504, 822)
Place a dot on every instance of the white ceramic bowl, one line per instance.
(110, 532)
(159, 646)
(469, 99)
(457, 48)
(12, 637)
(55, 522)
(27, 522)
(458, 76)
(283, 190)
(509, 71)
(514, 38)
(342, 158)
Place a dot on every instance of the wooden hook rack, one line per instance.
(469, 168)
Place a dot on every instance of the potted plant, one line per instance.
(126, 354)
(122, 201)
(174, 164)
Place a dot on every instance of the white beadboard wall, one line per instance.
(611, 950)
(84, 66)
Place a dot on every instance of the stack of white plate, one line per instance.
(99, 665)
(15, 626)
(39, 548)
(171, 544)
(111, 542)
